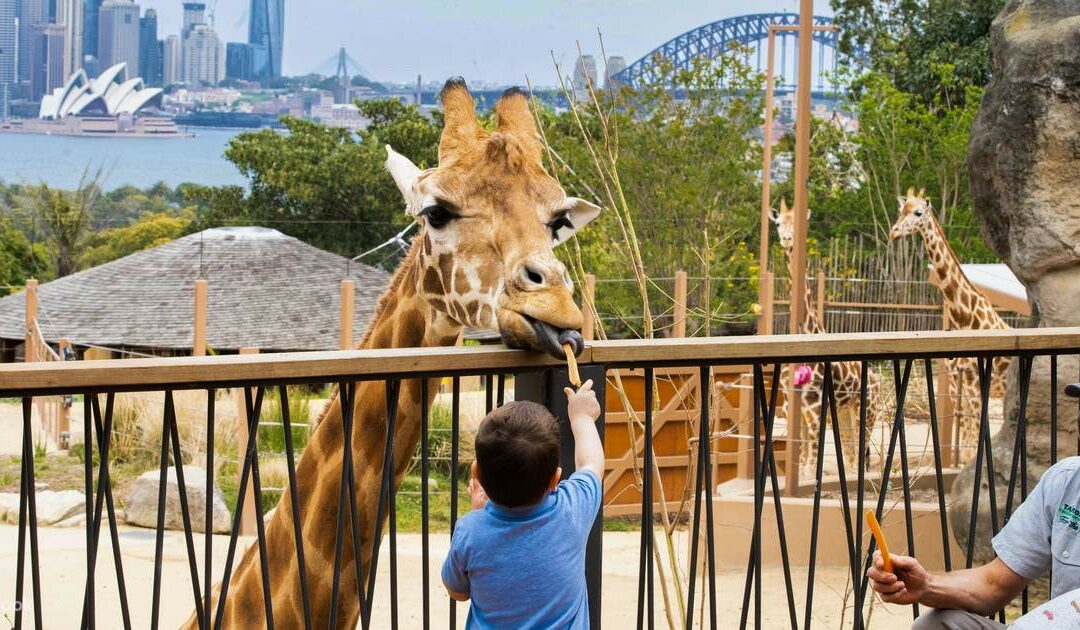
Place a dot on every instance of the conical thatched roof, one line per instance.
(266, 290)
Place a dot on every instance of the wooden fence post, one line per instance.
(744, 458)
(248, 524)
(588, 307)
(30, 346)
(64, 416)
(679, 329)
(946, 428)
(198, 342)
(348, 304)
(765, 321)
(821, 297)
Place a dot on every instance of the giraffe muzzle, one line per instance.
(552, 340)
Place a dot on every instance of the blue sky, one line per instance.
(491, 40)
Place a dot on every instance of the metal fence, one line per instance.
(362, 515)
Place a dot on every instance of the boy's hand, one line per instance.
(478, 498)
(582, 403)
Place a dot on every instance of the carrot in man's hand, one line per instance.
(879, 536)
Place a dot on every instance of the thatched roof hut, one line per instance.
(265, 290)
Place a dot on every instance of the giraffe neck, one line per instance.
(402, 319)
(810, 322)
(966, 306)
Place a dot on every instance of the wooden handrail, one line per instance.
(224, 370)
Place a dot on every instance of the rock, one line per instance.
(52, 506)
(1023, 158)
(141, 505)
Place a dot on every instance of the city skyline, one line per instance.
(502, 44)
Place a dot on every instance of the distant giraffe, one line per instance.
(846, 375)
(966, 308)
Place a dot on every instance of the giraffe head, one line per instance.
(915, 213)
(491, 217)
(785, 224)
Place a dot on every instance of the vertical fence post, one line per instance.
(588, 307)
(348, 304)
(248, 525)
(946, 426)
(546, 388)
(30, 346)
(679, 329)
(198, 342)
(744, 458)
(821, 297)
(765, 321)
(63, 419)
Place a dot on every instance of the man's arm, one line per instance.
(982, 590)
(583, 410)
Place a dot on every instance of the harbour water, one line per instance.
(60, 161)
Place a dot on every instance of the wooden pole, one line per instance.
(248, 523)
(766, 180)
(946, 428)
(679, 329)
(744, 457)
(30, 345)
(198, 343)
(348, 305)
(821, 297)
(64, 417)
(768, 305)
(588, 308)
(798, 254)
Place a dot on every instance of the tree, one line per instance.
(19, 259)
(326, 186)
(149, 231)
(66, 217)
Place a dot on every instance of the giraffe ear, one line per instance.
(774, 215)
(578, 214)
(405, 175)
(900, 199)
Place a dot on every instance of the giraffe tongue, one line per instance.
(551, 339)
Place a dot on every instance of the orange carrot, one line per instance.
(879, 536)
(571, 365)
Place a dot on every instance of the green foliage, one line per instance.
(66, 217)
(150, 230)
(912, 42)
(19, 259)
(326, 186)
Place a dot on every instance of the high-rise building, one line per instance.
(29, 14)
(194, 13)
(266, 29)
(585, 76)
(149, 49)
(69, 14)
(613, 66)
(118, 35)
(90, 26)
(204, 56)
(9, 54)
(171, 60)
(46, 59)
(239, 61)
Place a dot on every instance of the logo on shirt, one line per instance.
(1069, 516)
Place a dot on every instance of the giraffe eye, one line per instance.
(437, 216)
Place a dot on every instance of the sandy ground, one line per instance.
(63, 575)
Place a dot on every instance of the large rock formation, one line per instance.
(1024, 160)
(142, 501)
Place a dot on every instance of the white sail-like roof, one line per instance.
(111, 93)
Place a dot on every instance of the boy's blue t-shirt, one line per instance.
(525, 567)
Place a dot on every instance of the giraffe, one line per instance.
(490, 217)
(846, 375)
(966, 308)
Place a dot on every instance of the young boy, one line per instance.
(520, 556)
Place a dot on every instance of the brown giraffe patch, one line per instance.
(433, 284)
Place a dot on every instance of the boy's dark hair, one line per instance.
(517, 452)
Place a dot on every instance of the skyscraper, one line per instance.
(239, 60)
(194, 13)
(118, 35)
(266, 29)
(9, 54)
(171, 60)
(204, 56)
(585, 76)
(613, 66)
(90, 26)
(46, 59)
(69, 14)
(149, 51)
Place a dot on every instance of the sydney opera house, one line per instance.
(112, 93)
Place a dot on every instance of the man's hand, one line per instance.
(478, 498)
(907, 583)
(582, 404)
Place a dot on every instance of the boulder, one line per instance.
(141, 505)
(1023, 159)
(52, 506)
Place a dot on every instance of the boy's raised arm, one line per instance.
(583, 410)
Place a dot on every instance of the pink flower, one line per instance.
(803, 374)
